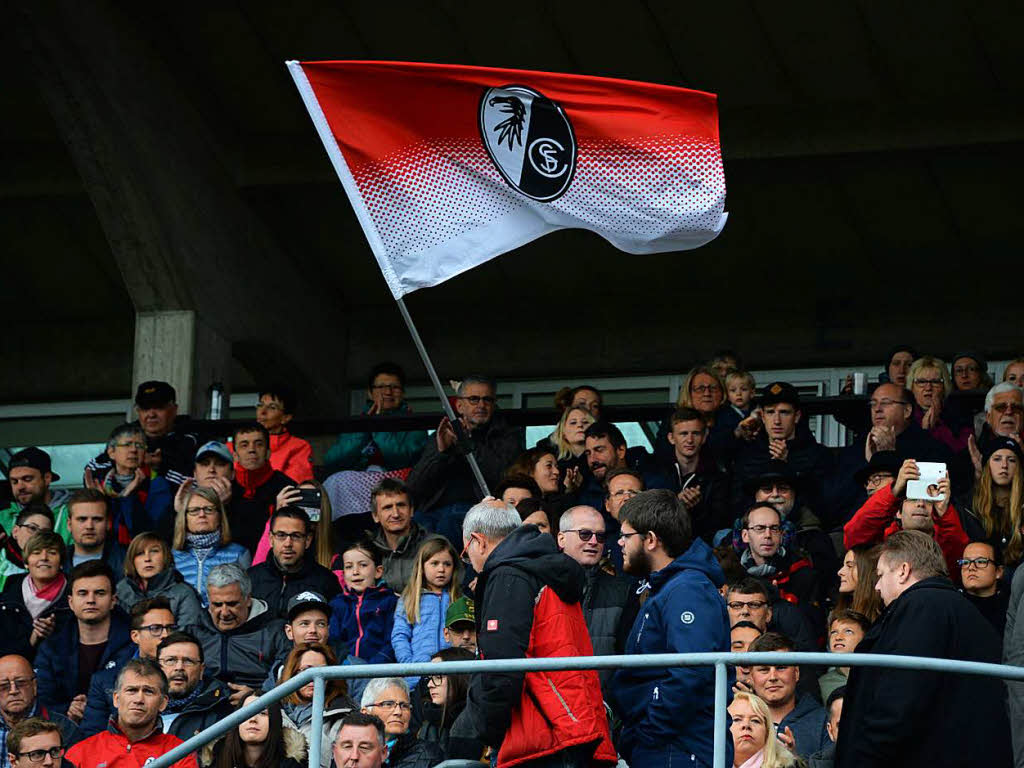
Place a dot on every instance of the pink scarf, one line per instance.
(38, 600)
(755, 760)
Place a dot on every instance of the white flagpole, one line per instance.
(345, 175)
(456, 425)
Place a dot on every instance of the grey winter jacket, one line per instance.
(610, 605)
(170, 584)
(242, 655)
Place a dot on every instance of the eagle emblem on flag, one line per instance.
(530, 140)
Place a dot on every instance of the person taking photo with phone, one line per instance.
(892, 508)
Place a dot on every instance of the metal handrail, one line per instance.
(720, 661)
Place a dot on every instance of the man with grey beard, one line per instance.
(777, 485)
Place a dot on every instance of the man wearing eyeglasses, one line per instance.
(442, 481)
(290, 569)
(610, 603)
(35, 743)
(764, 557)
(1004, 412)
(195, 701)
(18, 702)
(892, 429)
(981, 571)
(385, 396)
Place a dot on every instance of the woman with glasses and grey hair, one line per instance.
(388, 699)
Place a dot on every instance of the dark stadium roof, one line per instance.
(872, 150)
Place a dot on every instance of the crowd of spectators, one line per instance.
(187, 575)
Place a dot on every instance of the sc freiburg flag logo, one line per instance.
(529, 139)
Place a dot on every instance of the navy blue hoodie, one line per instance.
(684, 613)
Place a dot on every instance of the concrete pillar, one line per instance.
(176, 347)
(187, 244)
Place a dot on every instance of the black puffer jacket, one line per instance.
(276, 587)
(244, 654)
(610, 605)
(412, 752)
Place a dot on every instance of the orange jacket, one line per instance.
(291, 455)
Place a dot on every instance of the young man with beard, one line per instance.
(668, 714)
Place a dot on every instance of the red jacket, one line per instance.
(558, 709)
(111, 749)
(291, 455)
(876, 520)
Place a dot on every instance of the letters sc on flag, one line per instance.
(449, 166)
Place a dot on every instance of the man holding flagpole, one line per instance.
(442, 480)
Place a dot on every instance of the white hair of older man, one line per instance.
(999, 389)
(493, 519)
(378, 685)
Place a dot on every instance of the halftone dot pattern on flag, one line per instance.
(644, 190)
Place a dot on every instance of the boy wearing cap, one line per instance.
(308, 616)
(771, 432)
(30, 475)
(168, 453)
(460, 624)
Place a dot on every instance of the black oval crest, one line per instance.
(529, 139)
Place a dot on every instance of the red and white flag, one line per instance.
(449, 166)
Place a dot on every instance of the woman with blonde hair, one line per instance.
(202, 539)
(418, 631)
(995, 514)
(568, 438)
(755, 743)
(704, 390)
(929, 383)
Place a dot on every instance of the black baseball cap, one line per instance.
(780, 392)
(34, 458)
(153, 394)
(305, 601)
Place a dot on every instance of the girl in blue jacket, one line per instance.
(362, 614)
(418, 632)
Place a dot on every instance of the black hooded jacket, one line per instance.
(507, 588)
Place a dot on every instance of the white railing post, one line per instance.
(721, 696)
(316, 733)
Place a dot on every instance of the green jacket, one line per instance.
(391, 450)
(58, 505)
